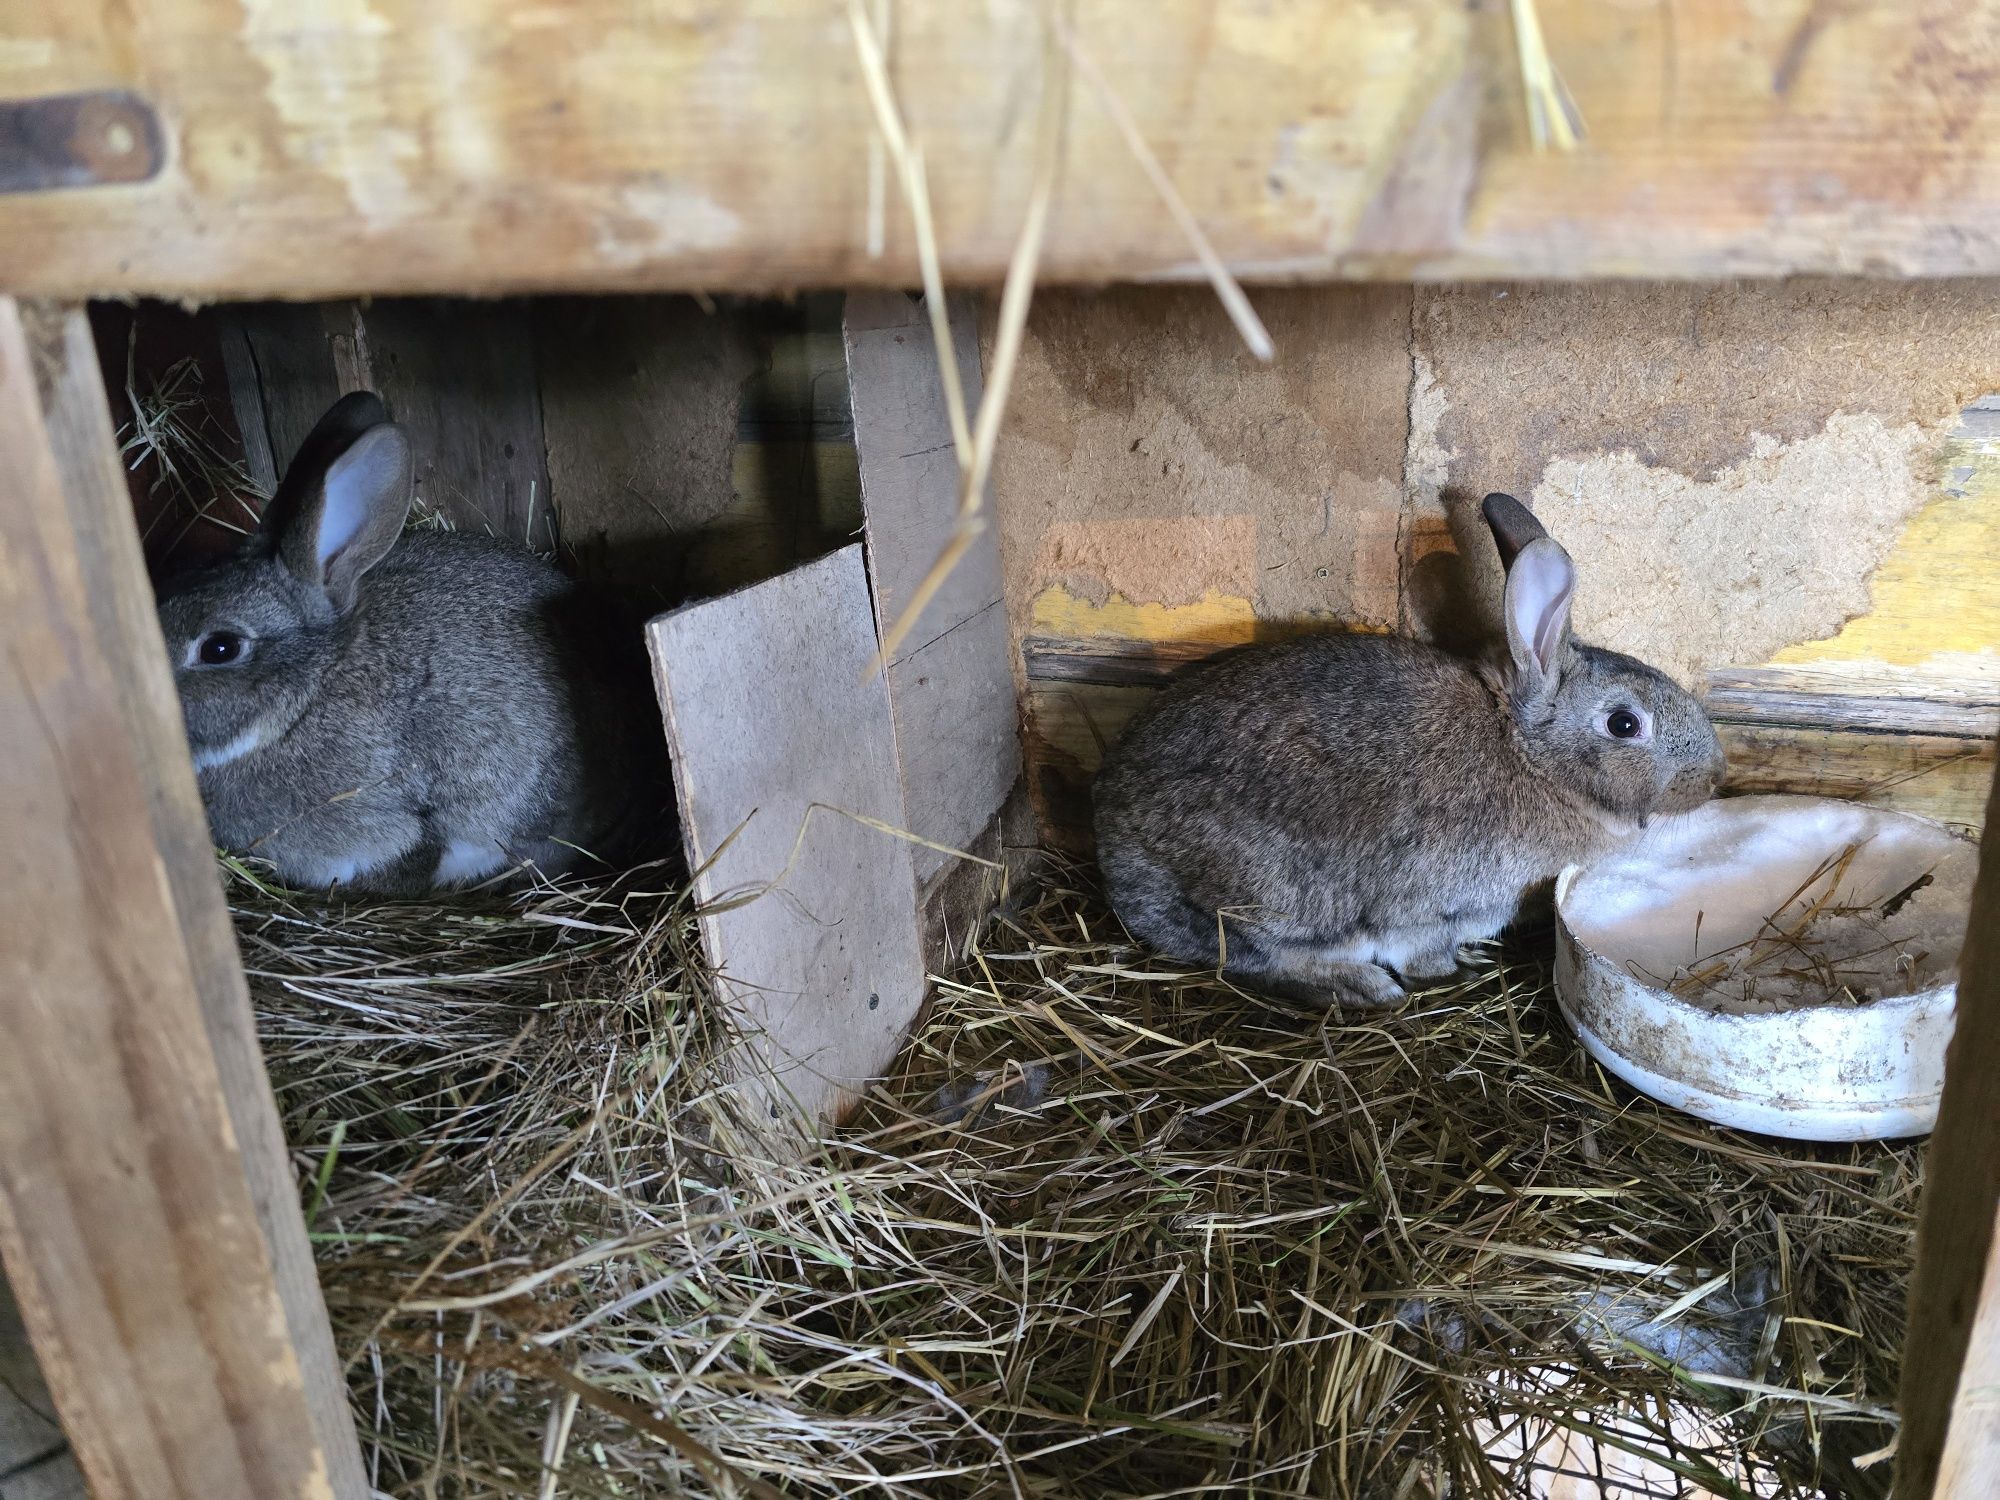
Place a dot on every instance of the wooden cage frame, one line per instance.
(147, 1210)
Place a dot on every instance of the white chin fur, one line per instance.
(221, 755)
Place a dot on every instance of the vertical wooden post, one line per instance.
(148, 1215)
(1950, 1441)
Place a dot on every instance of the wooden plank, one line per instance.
(951, 686)
(284, 374)
(639, 405)
(1807, 699)
(1933, 776)
(148, 1214)
(461, 377)
(777, 732)
(690, 146)
(1949, 1444)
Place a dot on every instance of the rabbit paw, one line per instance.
(1432, 966)
(1367, 986)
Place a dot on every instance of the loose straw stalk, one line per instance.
(1111, 1228)
(975, 453)
(1553, 119)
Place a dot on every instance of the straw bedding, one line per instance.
(1110, 1231)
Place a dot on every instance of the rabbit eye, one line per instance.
(1622, 724)
(219, 648)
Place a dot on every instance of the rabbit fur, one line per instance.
(1331, 817)
(403, 713)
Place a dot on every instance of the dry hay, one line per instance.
(1113, 1232)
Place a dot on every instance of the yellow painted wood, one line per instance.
(1218, 618)
(1936, 598)
(318, 148)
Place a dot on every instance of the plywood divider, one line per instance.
(148, 1213)
(782, 745)
(951, 689)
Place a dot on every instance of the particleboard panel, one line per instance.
(412, 146)
(777, 732)
(951, 685)
(1949, 1442)
(148, 1213)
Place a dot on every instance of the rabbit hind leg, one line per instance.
(1318, 974)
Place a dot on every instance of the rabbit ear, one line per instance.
(1513, 526)
(344, 499)
(1541, 580)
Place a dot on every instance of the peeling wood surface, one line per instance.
(777, 734)
(148, 1213)
(413, 146)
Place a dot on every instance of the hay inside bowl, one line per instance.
(1112, 1230)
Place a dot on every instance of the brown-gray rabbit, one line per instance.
(392, 712)
(1334, 816)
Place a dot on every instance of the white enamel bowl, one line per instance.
(1698, 885)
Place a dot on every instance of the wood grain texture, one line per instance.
(640, 400)
(777, 734)
(460, 377)
(1949, 1444)
(951, 684)
(406, 146)
(147, 1211)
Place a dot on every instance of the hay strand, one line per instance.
(1113, 1229)
(1553, 118)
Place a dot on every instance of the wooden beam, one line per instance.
(1950, 1440)
(406, 146)
(148, 1214)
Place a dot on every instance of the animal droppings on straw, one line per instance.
(1823, 946)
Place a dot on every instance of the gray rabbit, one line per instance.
(1334, 816)
(403, 713)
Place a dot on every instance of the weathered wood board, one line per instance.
(1949, 1442)
(407, 146)
(148, 1213)
(459, 375)
(951, 686)
(780, 741)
